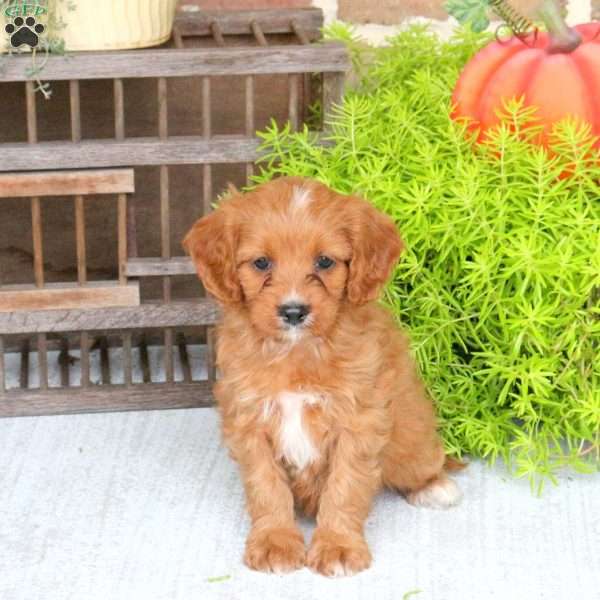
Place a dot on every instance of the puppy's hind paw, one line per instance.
(442, 492)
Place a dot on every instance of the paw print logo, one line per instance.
(24, 31)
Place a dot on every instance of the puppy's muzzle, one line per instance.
(293, 314)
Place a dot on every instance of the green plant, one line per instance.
(499, 283)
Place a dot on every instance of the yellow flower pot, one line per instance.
(102, 24)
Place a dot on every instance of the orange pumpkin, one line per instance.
(560, 83)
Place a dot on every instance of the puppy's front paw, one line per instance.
(335, 555)
(275, 550)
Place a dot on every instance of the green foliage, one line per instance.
(469, 12)
(499, 283)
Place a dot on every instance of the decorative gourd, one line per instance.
(558, 72)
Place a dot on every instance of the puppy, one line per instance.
(320, 401)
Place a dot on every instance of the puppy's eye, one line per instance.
(324, 262)
(262, 263)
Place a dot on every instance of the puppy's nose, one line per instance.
(293, 314)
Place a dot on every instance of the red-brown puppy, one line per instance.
(321, 403)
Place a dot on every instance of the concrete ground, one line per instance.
(148, 506)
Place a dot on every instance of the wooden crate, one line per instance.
(50, 337)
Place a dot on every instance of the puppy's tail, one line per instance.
(453, 464)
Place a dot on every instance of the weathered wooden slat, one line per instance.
(211, 350)
(176, 314)
(180, 150)
(184, 357)
(28, 403)
(158, 267)
(258, 33)
(217, 33)
(293, 95)
(177, 37)
(84, 357)
(36, 234)
(127, 366)
(75, 102)
(236, 22)
(299, 32)
(154, 337)
(207, 134)
(145, 360)
(42, 348)
(122, 236)
(80, 240)
(250, 120)
(104, 360)
(185, 62)
(168, 354)
(63, 362)
(333, 92)
(96, 294)
(66, 183)
(24, 371)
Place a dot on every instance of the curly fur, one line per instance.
(318, 417)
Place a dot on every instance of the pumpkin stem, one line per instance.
(563, 39)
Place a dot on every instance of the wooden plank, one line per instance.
(184, 357)
(180, 150)
(217, 33)
(185, 62)
(258, 33)
(176, 314)
(24, 371)
(119, 102)
(28, 403)
(299, 32)
(333, 93)
(127, 367)
(159, 267)
(80, 240)
(177, 37)
(211, 354)
(96, 294)
(207, 134)
(236, 22)
(36, 232)
(75, 110)
(250, 122)
(104, 361)
(293, 95)
(122, 237)
(79, 205)
(63, 361)
(145, 360)
(42, 348)
(66, 183)
(84, 357)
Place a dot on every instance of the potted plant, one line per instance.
(86, 24)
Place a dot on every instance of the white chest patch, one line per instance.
(295, 444)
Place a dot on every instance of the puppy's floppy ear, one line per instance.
(376, 247)
(211, 243)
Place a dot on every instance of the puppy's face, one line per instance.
(292, 253)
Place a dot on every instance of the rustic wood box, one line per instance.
(124, 198)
